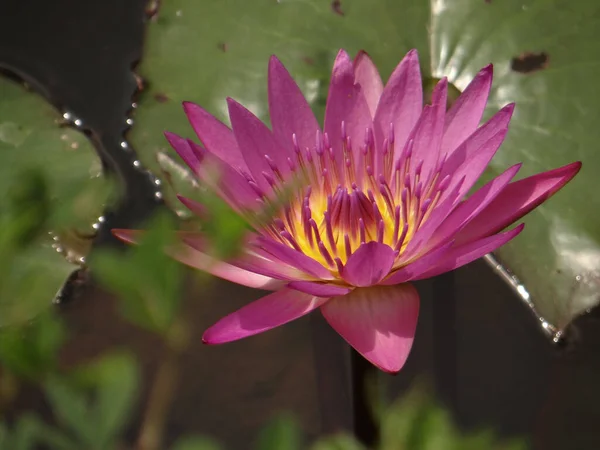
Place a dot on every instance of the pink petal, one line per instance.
(427, 134)
(346, 103)
(289, 111)
(378, 321)
(198, 260)
(516, 200)
(261, 315)
(128, 236)
(471, 158)
(229, 184)
(469, 208)
(250, 262)
(400, 104)
(461, 255)
(367, 75)
(257, 144)
(465, 114)
(319, 289)
(194, 206)
(460, 155)
(417, 266)
(369, 264)
(294, 258)
(215, 135)
(185, 151)
(426, 230)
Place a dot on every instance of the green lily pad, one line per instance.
(50, 181)
(544, 52)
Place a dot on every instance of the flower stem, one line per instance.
(163, 389)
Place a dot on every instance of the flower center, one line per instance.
(338, 205)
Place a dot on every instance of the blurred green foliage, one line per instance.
(94, 404)
(146, 279)
(31, 351)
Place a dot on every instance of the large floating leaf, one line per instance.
(545, 54)
(49, 181)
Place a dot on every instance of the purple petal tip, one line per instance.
(187, 106)
(413, 54)
(487, 70)
(169, 135)
(125, 234)
(510, 107)
(274, 62)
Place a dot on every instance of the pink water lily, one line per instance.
(377, 200)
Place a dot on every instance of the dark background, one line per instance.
(479, 347)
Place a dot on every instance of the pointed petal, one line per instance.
(185, 151)
(471, 145)
(419, 241)
(418, 266)
(215, 135)
(472, 206)
(400, 104)
(428, 132)
(195, 207)
(289, 111)
(516, 200)
(256, 140)
(128, 236)
(294, 258)
(367, 75)
(250, 262)
(461, 255)
(319, 289)
(261, 315)
(369, 264)
(198, 260)
(471, 158)
(465, 114)
(379, 322)
(345, 103)
(229, 184)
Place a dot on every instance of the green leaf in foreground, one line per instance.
(147, 280)
(31, 350)
(95, 403)
(416, 423)
(282, 433)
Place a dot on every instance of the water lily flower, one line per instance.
(377, 199)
